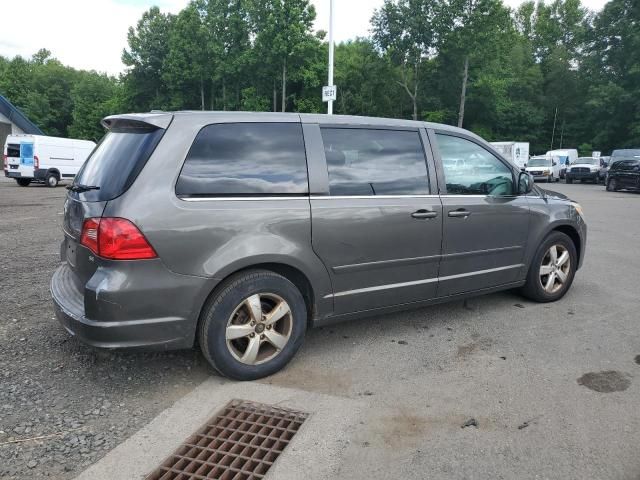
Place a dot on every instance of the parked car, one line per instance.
(583, 169)
(624, 175)
(238, 231)
(42, 159)
(544, 168)
(604, 168)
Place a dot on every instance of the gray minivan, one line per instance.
(238, 231)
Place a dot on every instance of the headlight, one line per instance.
(578, 208)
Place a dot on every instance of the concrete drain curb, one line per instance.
(315, 452)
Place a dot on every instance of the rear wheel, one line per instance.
(254, 326)
(612, 185)
(51, 180)
(552, 270)
(23, 182)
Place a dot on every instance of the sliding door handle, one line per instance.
(423, 214)
(460, 213)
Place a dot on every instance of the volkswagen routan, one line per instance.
(237, 232)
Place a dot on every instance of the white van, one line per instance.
(37, 158)
(544, 168)
(565, 157)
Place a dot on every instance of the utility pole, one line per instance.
(330, 82)
(553, 133)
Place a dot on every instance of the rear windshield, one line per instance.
(116, 162)
(13, 150)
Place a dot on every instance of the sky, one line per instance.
(90, 34)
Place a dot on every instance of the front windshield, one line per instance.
(587, 161)
(539, 162)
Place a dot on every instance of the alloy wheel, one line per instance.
(259, 328)
(555, 268)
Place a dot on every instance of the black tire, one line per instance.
(568, 180)
(612, 185)
(533, 288)
(550, 179)
(23, 182)
(51, 180)
(220, 308)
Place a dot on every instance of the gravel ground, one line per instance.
(83, 401)
(493, 387)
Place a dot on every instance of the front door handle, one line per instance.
(421, 214)
(460, 213)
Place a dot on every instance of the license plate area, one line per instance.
(71, 252)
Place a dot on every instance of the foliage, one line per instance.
(525, 69)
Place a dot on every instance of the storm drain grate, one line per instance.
(240, 442)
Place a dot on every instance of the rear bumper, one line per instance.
(170, 332)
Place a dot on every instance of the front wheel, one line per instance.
(552, 269)
(254, 326)
(569, 180)
(550, 179)
(23, 182)
(612, 185)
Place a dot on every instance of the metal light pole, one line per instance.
(330, 83)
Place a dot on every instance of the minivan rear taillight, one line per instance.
(36, 162)
(115, 239)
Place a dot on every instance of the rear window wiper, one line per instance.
(79, 188)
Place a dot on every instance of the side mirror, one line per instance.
(554, 163)
(525, 183)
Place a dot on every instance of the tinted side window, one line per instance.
(246, 159)
(469, 169)
(375, 162)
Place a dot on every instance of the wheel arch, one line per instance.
(571, 232)
(291, 273)
(55, 172)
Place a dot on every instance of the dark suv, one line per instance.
(624, 173)
(238, 231)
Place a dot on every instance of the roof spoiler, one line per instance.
(138, 121)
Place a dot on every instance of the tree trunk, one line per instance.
(213, 96)
(224, 96)
(201, 93)
(463, 94)
(275, 96)
(284, 84)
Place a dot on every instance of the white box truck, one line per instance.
(38, 158)
(516, 152)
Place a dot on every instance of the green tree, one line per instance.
(408, 32)
(94, 97)
(148, 47)
(282, 31)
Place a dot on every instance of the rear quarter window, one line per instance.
(245, 159)
(116, 162)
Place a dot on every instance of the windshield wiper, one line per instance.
(79, 188)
